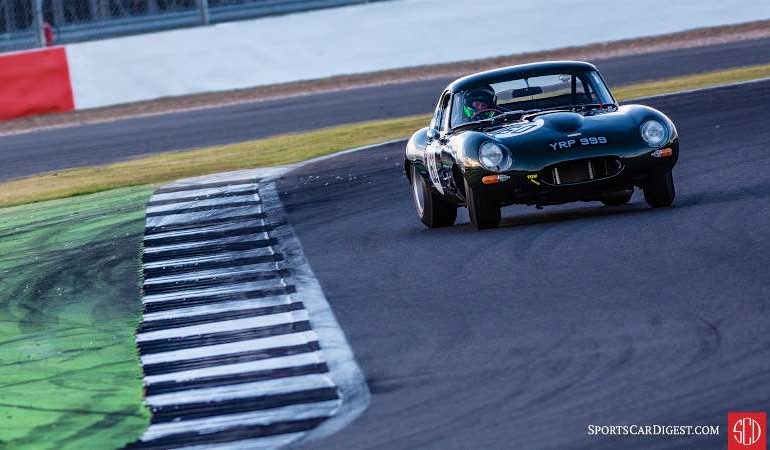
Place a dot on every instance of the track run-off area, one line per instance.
(521, 337)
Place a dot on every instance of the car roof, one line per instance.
(505, 73)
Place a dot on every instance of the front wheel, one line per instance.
(432, 210)
(659, 190)
(484, 212)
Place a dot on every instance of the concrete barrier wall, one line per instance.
(365, 38)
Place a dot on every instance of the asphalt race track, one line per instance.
(56, 149)
(521, 337)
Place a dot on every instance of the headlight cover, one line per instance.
(654, 133)
(494, 157)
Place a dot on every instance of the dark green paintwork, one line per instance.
(456, 153)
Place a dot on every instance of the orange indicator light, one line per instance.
(492, 179)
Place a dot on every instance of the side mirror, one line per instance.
(432, 133)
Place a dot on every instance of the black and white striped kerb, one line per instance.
(227, 341)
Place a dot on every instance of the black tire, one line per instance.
(484, 212)
(618, 198)
(432, 210)
(659, 190)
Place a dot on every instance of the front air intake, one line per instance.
(581, 171)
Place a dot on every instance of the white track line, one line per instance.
(211, 273)
(281, 340)
(282, 362)
(224, 227)
(193, 200)
(220, 202)
(264, 417)
(233, 305)
(203, 191)
(257, 388)
(224, 256)
(193, 216)
(225, 325)
(260, 235)
(217, 290)
(198, 216)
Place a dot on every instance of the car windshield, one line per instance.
(542, 92)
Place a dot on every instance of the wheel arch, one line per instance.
(408, 169)
(458, 177)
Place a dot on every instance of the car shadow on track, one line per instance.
(570, 214)
(513, 217)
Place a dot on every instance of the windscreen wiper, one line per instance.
(540, 112)
(568, 108)
(590, 105)
(518, 114)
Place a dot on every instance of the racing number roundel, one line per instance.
(432, 164)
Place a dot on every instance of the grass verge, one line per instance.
(690, 82)
(284, 149)
(69, 305)
(271, 151)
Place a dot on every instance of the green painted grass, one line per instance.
(69, 306)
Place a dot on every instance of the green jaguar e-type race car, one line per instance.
(536, 134)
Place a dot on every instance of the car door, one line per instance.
(436, 142)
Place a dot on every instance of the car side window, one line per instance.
(438, 115)
(443, 122)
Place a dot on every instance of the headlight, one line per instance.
(654, 133)
(494, 157)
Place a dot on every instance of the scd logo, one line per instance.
(746, 431)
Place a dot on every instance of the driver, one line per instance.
(479, 103)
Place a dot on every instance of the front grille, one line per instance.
(581, 170)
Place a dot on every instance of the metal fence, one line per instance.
(37, 23)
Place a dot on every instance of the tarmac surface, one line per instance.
(577, 315)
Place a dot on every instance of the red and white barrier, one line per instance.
(35, 82)
(318, 44)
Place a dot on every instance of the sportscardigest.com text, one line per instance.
(653, 430)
